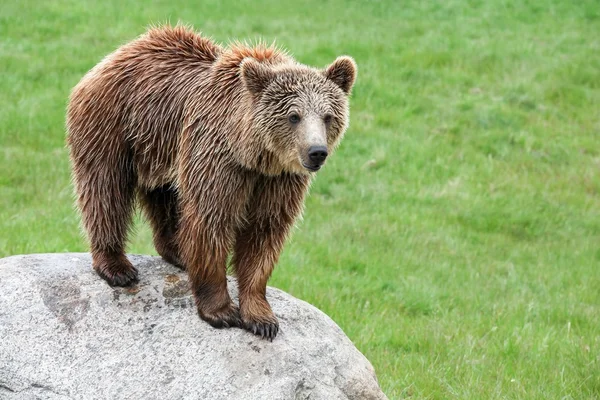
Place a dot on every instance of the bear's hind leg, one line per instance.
(160, 206)
(106, 199)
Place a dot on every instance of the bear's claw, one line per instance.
(228, 318)
(265, 329)
(125, 277)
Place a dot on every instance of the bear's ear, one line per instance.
(256, 76)
(342, 72)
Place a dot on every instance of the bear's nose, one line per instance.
(317, 154)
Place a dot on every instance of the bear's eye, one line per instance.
(294, 118)
(327, 119)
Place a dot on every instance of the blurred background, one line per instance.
(455, 234)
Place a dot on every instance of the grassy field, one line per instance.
(455, 235)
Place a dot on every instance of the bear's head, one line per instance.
(299, 113)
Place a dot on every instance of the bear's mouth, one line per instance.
(312, 168)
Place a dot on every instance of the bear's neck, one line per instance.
(243, 137)
(251, 152)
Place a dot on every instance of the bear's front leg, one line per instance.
(256, 252)
(204, 253)
(209, 215)
(273, 208)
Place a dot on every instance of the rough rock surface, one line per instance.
(65, 334)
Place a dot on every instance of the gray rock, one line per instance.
(65, 334)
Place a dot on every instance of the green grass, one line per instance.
(454, 236)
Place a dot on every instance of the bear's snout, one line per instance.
(317, 156)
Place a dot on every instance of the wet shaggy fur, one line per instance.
(217, 145)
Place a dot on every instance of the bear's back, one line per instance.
(137, 100)
(136, 96)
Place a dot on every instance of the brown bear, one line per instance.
(218, 144)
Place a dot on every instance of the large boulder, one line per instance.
(65, 334)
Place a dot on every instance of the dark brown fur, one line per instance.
(198, 133)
